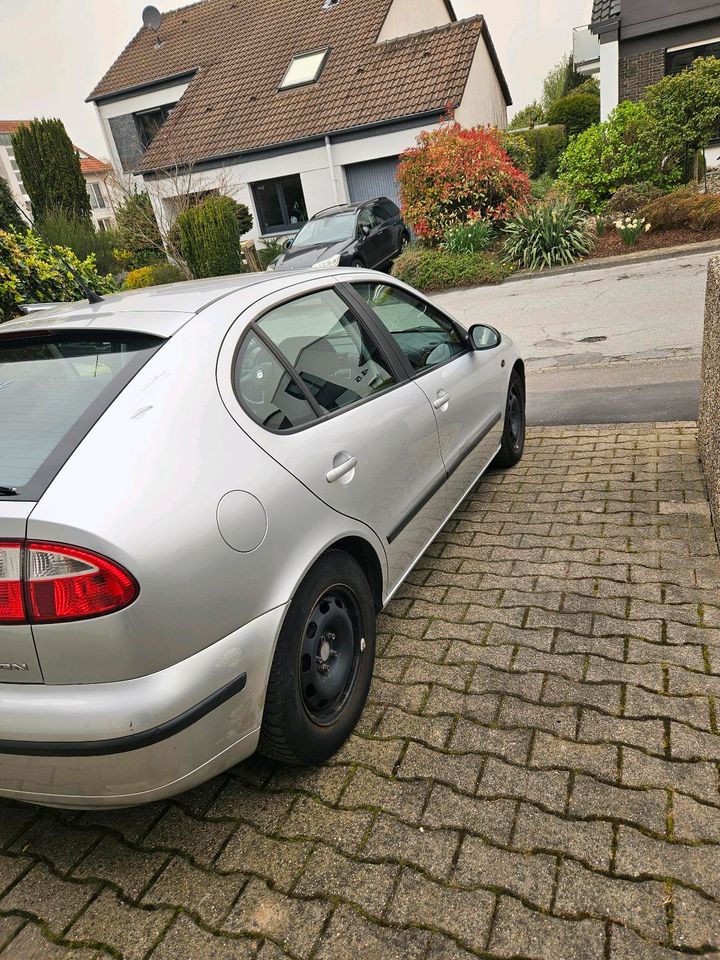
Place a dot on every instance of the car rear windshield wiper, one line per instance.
(7, 491)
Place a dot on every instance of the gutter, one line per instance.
(142, 87)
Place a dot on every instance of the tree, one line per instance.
(686, 109)
(576, 112)
(138, 233)
(10, 219)
(50, 169)
(454, 175)
(210, 237)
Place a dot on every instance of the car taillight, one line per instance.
(52, 582)
(12, 609)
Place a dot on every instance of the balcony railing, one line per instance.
(586, 50)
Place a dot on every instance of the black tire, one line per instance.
(513, 438)
(323, 665)
(404, 242)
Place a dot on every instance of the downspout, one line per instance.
(331, 168)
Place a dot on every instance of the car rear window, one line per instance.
(53, 389)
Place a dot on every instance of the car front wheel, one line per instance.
(323, 664)
(513, 438)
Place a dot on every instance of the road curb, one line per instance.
(603, 263)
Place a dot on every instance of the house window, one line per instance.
(102, 225)
(149, 122)
(97, 200)
(683, 58)
(280, 204)
(304, 68)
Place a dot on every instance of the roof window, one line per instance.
(305, 68)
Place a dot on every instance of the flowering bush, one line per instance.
(153, 276)
(630, 229)
(30, 272)
(470, 237)
(548, 235)
(455, 174)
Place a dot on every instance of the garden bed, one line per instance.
(611, 244)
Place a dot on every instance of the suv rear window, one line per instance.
(53, 389)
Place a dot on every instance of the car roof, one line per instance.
(159, 311)
(348, 207)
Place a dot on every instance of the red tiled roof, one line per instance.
(239, 50)
(88, 163)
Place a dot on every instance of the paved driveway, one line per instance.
(536, 774)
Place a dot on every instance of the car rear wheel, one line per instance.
(513, 438)
(323, 664)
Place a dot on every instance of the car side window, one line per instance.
(328, 350)
(366, 219)
(266, 390)
(424, 335)
(386, 210)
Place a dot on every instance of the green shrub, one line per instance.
(210, 238)
(30, 272)
(529, 116)
(455, 173)
(10, 219)
(548, 235)
(541, 186)
(548, 144)
(471, 237)
(684, 209)
(153, 276)
(632, 198)
(58, 230)
(430, 269)
(576, 112)
(519, 150)
(270, 251)
(626, 149)
(138, 234)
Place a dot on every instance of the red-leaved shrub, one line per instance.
(454, 175)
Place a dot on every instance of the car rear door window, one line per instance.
(53, 389)
(328, 350)
(267, 390)
(423, 334)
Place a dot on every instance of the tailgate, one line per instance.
(18, 660)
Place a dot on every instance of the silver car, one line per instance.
(208, 492)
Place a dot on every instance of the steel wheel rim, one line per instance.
(516, 418)
(330, 654)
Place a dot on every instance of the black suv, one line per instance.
(369, 234)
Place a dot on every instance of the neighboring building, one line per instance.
(95, 172)
(635, 43)
(293, 106)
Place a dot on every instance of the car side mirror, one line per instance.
(365, 229)
(287, 244)
(483, 338)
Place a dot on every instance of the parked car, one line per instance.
(370, 234)
(209, 491)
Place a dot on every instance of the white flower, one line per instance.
(647, 227)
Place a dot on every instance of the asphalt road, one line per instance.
(615, 345)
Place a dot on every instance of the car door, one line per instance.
(372, 241)
(464, 386)
(394, 224)
(326, 401)
(387, 242)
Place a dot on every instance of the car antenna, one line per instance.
(89, 293)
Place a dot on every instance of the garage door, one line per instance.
(375, 178)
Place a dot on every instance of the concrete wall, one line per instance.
(709, 422)
(483, 101)
(412, 16)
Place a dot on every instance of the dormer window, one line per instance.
(150, 121)
(305, 68)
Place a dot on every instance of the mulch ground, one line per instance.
(611, 244)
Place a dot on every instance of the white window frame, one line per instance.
(313, 62)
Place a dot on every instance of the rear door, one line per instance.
(323, 398)
(464, 386)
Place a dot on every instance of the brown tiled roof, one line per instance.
(239, 51)
(605, 10)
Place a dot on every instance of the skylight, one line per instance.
(305, 68)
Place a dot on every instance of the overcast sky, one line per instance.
(53, 52)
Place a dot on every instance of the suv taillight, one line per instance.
(53, 582)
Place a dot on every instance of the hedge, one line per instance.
(153, 276)
(210, 238)
(548, 145)
(431, 269)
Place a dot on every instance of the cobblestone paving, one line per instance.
(535, 776)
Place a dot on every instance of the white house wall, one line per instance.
(412, 16)
(483, 101)
(310, 163)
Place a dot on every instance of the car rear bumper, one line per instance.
(117, 744)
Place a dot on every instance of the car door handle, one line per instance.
(443, 399)
(340, 471)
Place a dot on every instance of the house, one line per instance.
(635, 43)
(95, 172)
(292, 107)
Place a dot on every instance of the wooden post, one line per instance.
(251, 256)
